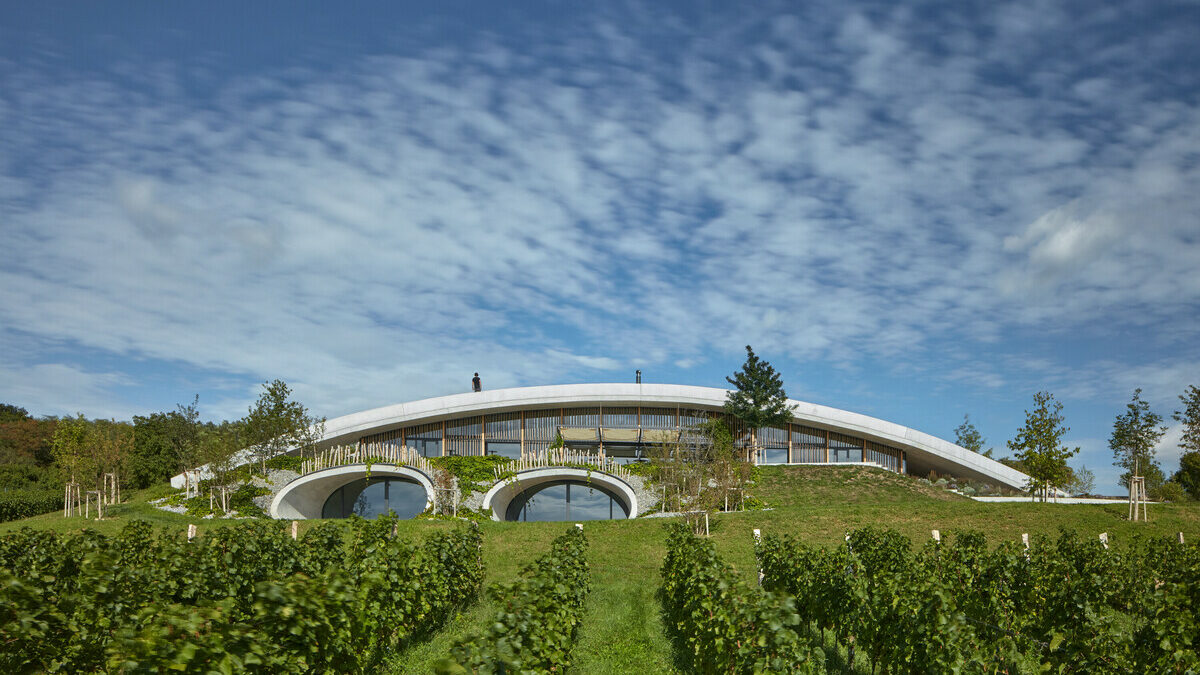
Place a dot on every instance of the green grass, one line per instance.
(622, 630)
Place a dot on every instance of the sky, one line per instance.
(914, 211)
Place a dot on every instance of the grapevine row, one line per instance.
(721, 625)
(1069, 605)
(244, 598)
(538, 618)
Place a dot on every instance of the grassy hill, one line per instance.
(622, 632)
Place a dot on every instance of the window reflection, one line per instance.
(774, 456)
(504, 449)
(566, 500)
(373, 498)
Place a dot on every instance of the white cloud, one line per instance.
(60, 390)
(372, 232)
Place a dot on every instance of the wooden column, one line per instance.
(445, 441)
(826, 446)
(522, 434)
(482, 435)
(789, 433)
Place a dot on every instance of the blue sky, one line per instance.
(914, 211)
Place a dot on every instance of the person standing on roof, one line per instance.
(476, 383)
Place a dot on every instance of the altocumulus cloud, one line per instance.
(634, 187)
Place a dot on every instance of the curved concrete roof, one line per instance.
(922, 448)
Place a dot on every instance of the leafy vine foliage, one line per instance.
(19, 504)
(720, 625)
(243, 598)
(539, 615)
(1068, 606)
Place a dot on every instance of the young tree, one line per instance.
(1084, 481)
(72, 449)
(967, 436)
(276, 424)
(219, 445)
(758, 399)
(113, 444)
(678, 465)
(1134, 436)
(726, 475)
(1038, 445)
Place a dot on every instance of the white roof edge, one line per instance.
(342, 429)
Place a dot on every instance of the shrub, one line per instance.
(17, 504)
(1170, 491)
(475, 473)
(285, 462)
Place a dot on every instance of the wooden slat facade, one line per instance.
(536, 429)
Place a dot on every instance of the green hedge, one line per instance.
(242, 598)
(535, 627)
(17, 504)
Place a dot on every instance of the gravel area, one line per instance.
(275, 481)
(647, 498)
(161, 503)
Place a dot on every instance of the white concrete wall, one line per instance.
(501, 494)
(303, 497)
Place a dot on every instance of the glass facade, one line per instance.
(371, 498)
(565, 500)
(845, 448)
(426, 447)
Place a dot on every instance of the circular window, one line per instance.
(373, 498)
(566, 500)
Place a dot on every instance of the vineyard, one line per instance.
(1065, 605)
(629, 597)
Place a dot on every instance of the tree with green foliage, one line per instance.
(219, 445)
(1188, 475)
(1189, 417)
(112, 442)
(27, 441)
(276, 424)
(12, 413)
(1038, 445)
(183, 434)
(153, 459)
(1134, 436)
(758, 398)
(967, 436)
(72, 449)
